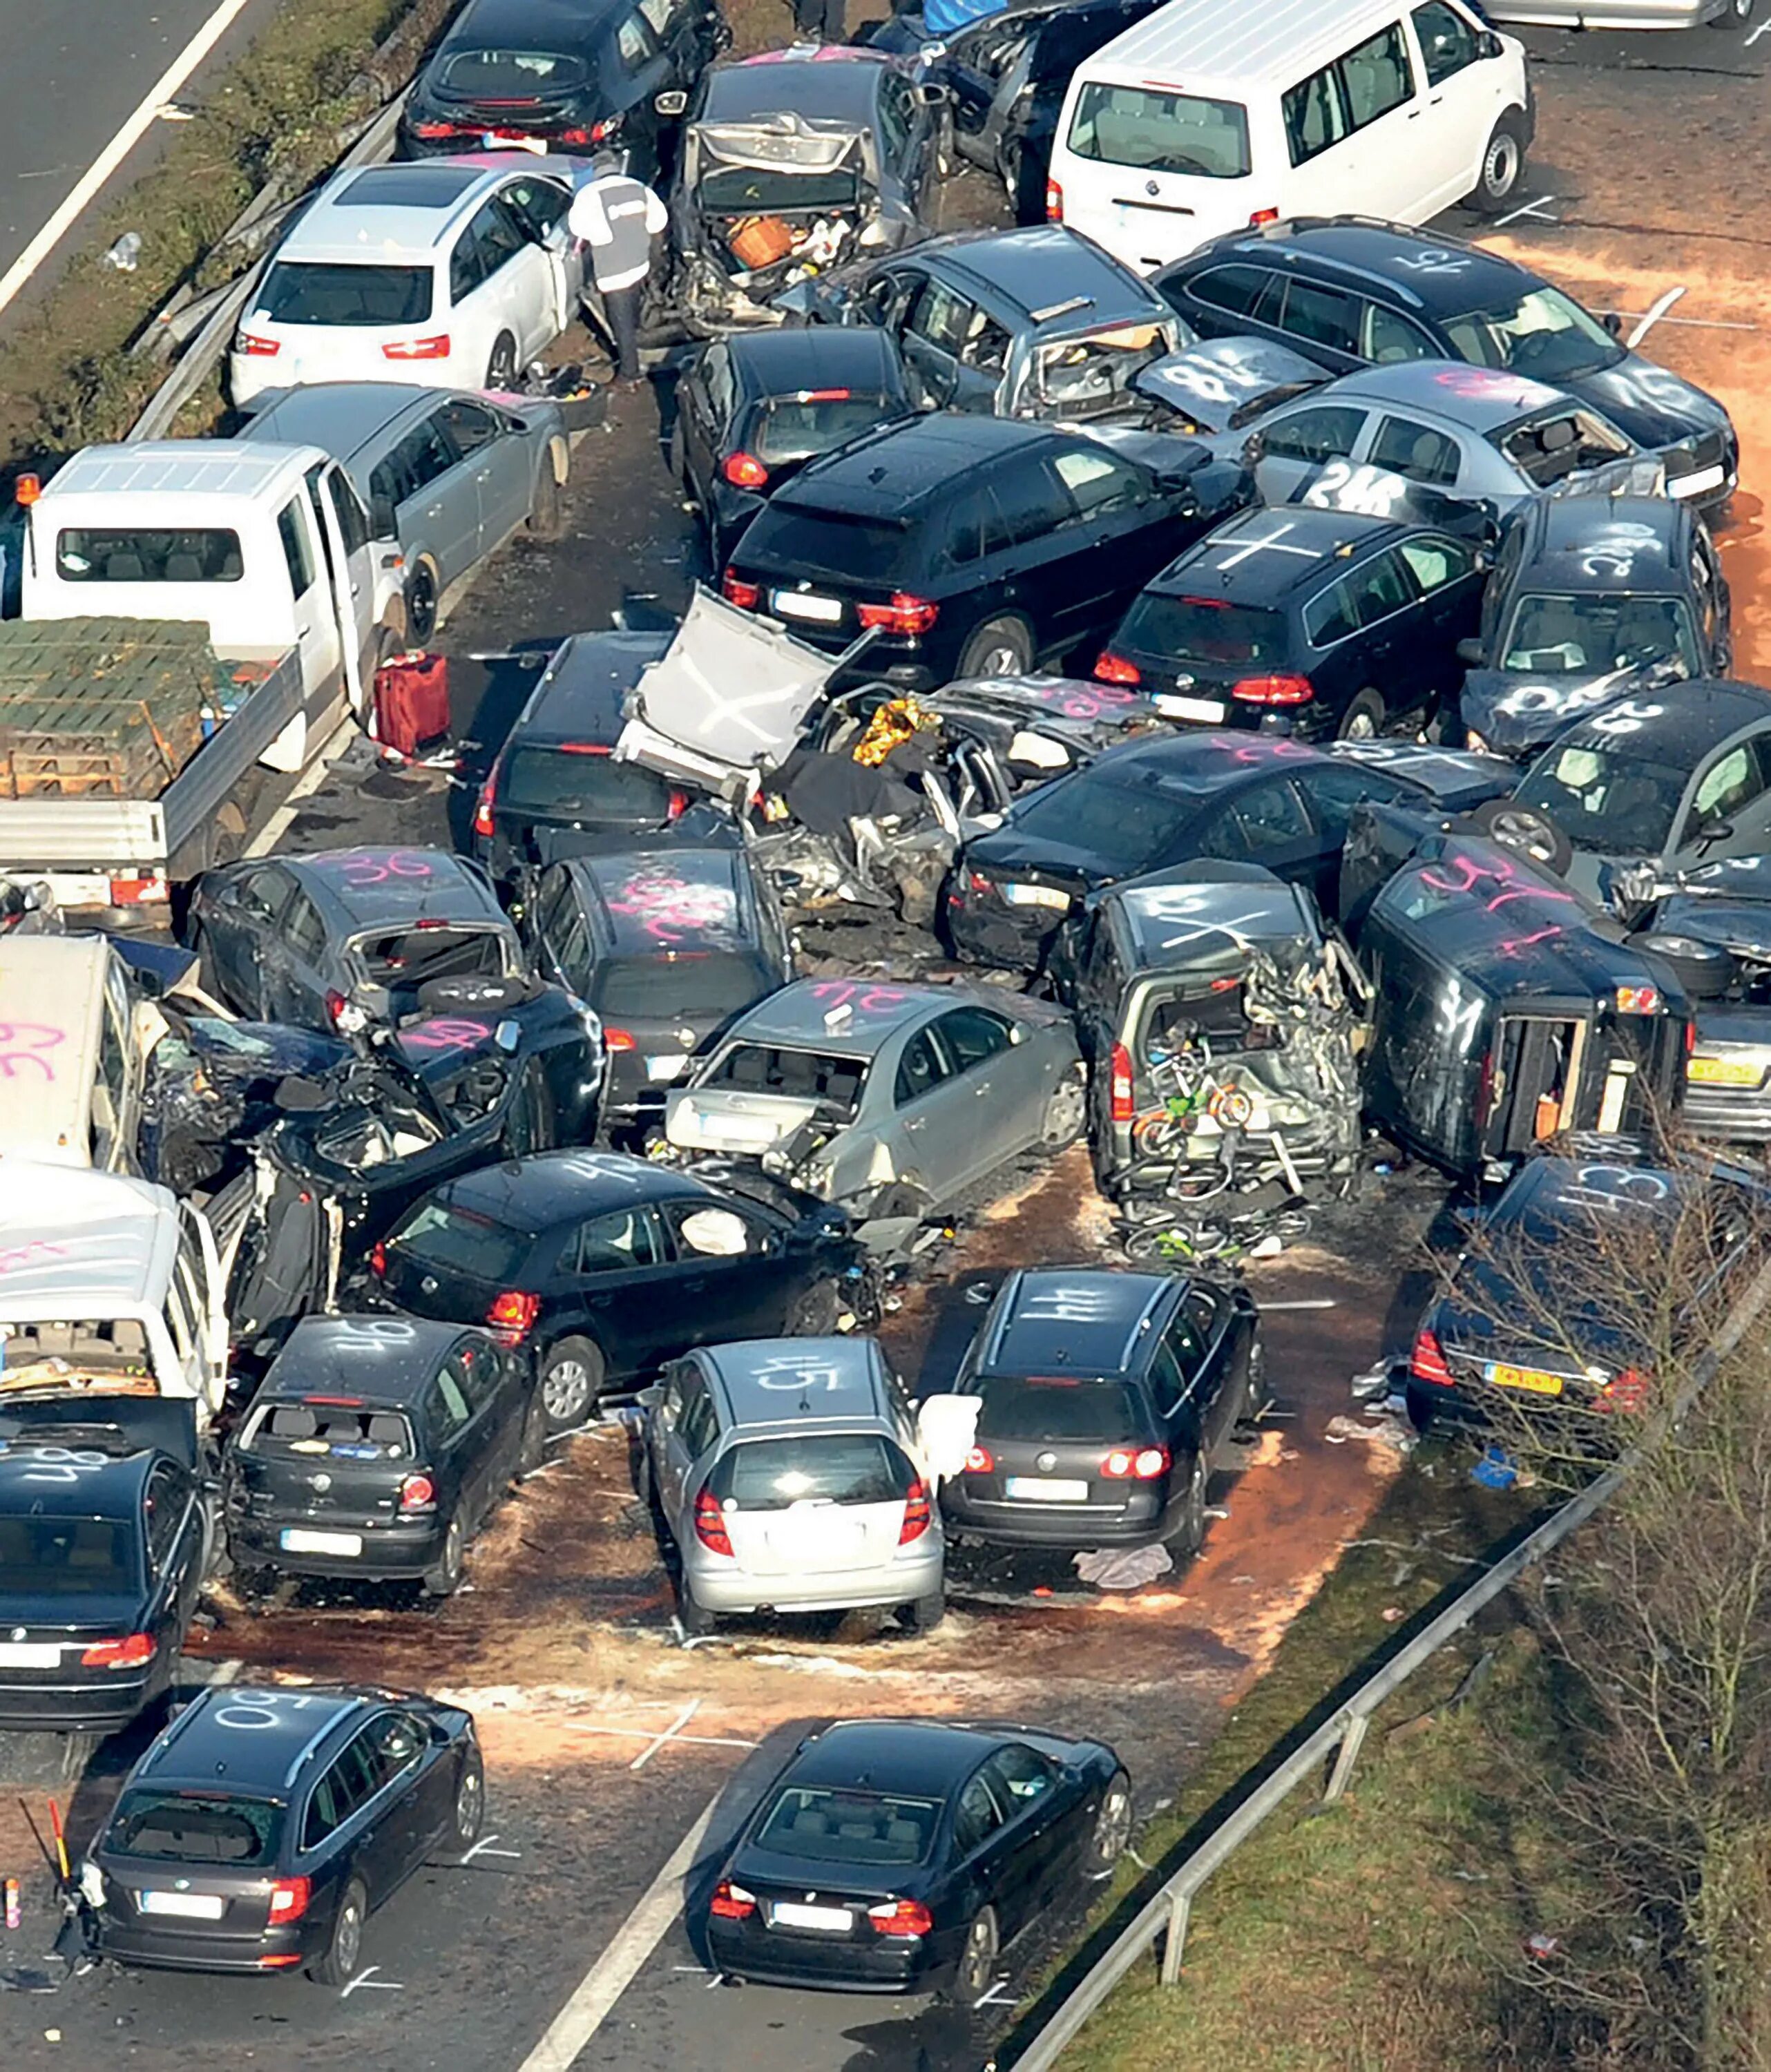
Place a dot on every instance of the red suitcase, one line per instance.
(412, 702)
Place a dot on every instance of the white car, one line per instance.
(451, 273)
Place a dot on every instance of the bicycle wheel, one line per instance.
(1154, 1136)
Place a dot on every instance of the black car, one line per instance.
(298, 938)
(972, 546)
(266, 1824)
(106, 1529)
(607, 1266)
(1338, 623)
(1351, 293)
(1258, 799)
(752, 410)
(667, 945)
(376, 1447)
(577, 76)
(555, 788)
(1592, 599)
(900, 1856)
(1105, 1396)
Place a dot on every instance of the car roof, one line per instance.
(801, 356)
(661, 901)
(794, 1382)
(343, 417)
(849, 1018)
(110, 1488)
(826, 82)
(1264, 556)
(381, 1358)
(390, 214)
(1607, 543)
(1203, 41)
(1484, 398)
(570, 27)
(1680, 728)
(1174, 917)
(1075, 1320)
(533, 1194)
(1043, 270)
(1197, 763)
(913, 1758)
(237, 1737)
(76, 1242)
(580, 695)
(895, 471)
(1384, 257)
(215, 468)
(371, 885)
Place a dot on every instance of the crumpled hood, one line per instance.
(1653, 406)
(1212, 379)
(1741, 927)
(1517, 713)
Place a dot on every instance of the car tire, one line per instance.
(547, 514)
(1533, 834)
(1704, 970)
(1502, 168)
(813, 1314)
(976, 1973)
(924, 1615)
(999, 648)
(420, 604)
(533, 1450)
(469, 1816)
(696, 1620)
(337, 1963)
(501, 367)
(1363, 719)
(1189, 1534)
(1067, 1112)
(1113, 1828)
(571, 1381)
(444, 1579)
(1733, 15)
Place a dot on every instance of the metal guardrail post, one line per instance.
(1346, 1756)
(1180, 1912)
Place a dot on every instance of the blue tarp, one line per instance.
(947, 18)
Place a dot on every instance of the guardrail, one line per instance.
(1165, 1915)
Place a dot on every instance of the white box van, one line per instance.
(74, 1043)
(1211, 115)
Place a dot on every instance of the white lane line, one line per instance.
(1538, 208)
(118, 149)
(675, 1740)
(609, 1978)
(484, 1847)
(305, 786)
(1315, 1302)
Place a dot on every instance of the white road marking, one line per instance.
(1657, 310)
(305, 786)
(997, 1996)
(1538, 208)
(1317, 1302)
(484, 1847)
(656, 1738)
(118, 149)
(367, 1977)
(1755, 35)
(609, 1978)
(1697, 324)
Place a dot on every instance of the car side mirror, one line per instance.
(508, 1037)
(439, 1736)
(671, 103)
(1254, 450)
(1470, 653)
(1613, 323)
(1715, 830)
(1488, 45)
(1016, 1034)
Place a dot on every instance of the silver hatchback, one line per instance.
(787, 1472)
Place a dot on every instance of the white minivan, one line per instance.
(1211, 115)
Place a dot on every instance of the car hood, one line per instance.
(1742, 927)
(1653, 406)
(1003, 853)
(1518, 713)
(1211, 381)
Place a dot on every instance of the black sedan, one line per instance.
(377, 1447)
(900, 1856)
(752, 410)
(1244, 798)
(264, 1825)
(106, 1529)
(608, 1266)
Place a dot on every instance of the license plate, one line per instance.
(1042, 1489)
(26, 1655)
(1694, 485)
(1531, 1378)
(298, 1540)
(796, 604)
(734, 1129)
(666, 1065)
(191, 1906)
(833, 1919)
(1037, 895)
(1724, 1072)
(1213, 711)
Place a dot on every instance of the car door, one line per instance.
(541, 205)
(500, 465)
(318, 639)
(239, 918)
(297, 979)
(643, 72)
(733, 1277)
(418, 1783)
(515, 292)
(704, 403)
(619, 1287)
(1290, 446)
(1040, 1839)
(439, 510)
(495, 1428)
(1731, 791)
(1449, 584)
(1391, 132)
(371, 1829)
(985, 1853)
(1380, 593)
(1114, 549)
(1331, 175)
(1004, 1080)
(1464, 95)
(1198, 1344)
(454, 1431)
(1037, 547)
(177, 1543)
(935, 1133)
(934, 329)
(675, 1440)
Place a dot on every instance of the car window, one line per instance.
(1204, 1305)
(1325, 316)
(397, 1741)
(1379, 587)
(973, 1035)
(165, 1504)
(721, 390)
(1334, 791)
(634, 41)
(700, 1422)
(1316, 117)
(941, 318)
(920, 1070)
(1017, 1775)
(1025, 502)
(1416, 451)
(894, 120)
(616, 1242)
(538, 204)
(303, 928)
(264, 892)
(448, 1404)
(474, 1375)
(361, 1771)
(422, 455)
(298, 556)
(352, 520)
(1386, 336)
(657, 14)
(470, 425)
(976, 1818)
(500, 236)
(965, 533)
(1448, 42)
(466, 265)
(1264, 819)
(1327, 433)
(985, 348)
(1237, 289)
(326, 1808)
(1097, 482)
(1329, 616)
(704, 1230)
(1376, 76)
(1182, 1342)
(1434, 563)
(1728, 784)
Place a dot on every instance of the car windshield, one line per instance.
(1606, 799)
(1100, 367)
(196, 1828)
(1589, 635)
(512, 78)
(778, 191)
(463, 1240)
(849, 1467)
(1157, 131)
(1544, 334)
(49, 1557)
(792, 428)
(828, 1825)
(581, 784)
(819, 542)
(302, 291)
(1058, 1408)
(1207, 631)
(1130, 827)
(833, 1083)
(670, 983)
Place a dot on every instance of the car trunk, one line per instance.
(1048, 1441)
(332, 1469)
(1189, 653)
(658, 1011)
(755, 1097)
(777, 201)
(205, 1863)
(1549, 1071)
(449, 1262)
(821, 1505)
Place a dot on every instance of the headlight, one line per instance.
(1475, 744)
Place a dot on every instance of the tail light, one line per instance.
(731, 1902)
(1274, 690)
(904, 615)
(513, 1314)
(744, 471)
(336, 1004)
(417, 1493)
(900, 1917)
(710, 1524)
(431, 131)
(618, 1039)
(1119, 1084)
(1263, 216)
(139, 891)
(131, 1652)
(277, 1963)
(418, 348)
(980, 1461)
(678, 805)
(1484, 1090)
(746, 596)
(1054, 202)
(1690, 1037)
(1142, 1465)
(378, 1258)
(916, 1513)
(253, 345)
(483, 823)
(977, 882)
(1428, 1362)
(1627, 1391)
(288, 1898)
(1113, 668)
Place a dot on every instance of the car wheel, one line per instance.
(444, 1580)
(1362, 719)
(534, 1448)
(1113, 1828)
(1067, 1111)
(924, 1615)
(470, 1801)
(1503, 168)
(337, 1964)
(696, 1620)
(999, 647)
(814, 1313)
(976, 1970)
(420, 604)
(547, 513)
(1189, 1534)
(1521, 827)
(1704, 970)
(501, 369)
(1736, 12)
(571, 1381)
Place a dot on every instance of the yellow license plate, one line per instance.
(1724, 1072)
(1532, 1378)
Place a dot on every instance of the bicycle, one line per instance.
(1194, 1091)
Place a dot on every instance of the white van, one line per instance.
(1211, 115)
(74, 1042)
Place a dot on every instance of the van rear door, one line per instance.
(1152, 171)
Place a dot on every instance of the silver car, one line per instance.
(785, 1470)
(449, 476)
(890, 1099)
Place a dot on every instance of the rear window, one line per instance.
(849, 1827)
(208, 554)
(1203, 630)
(751, 190)
(348, 1431)
(835, 1083)
(464, 1241)
(683, 982)
(768, 1474)
(1133, 828)
(408, 957)
(789, 430)
(1060, 1408)
(1159, 132)
(196, 1828)
(581, 784)
(816, 542)
(54, 1557)
(1551, 449)
(514, 77)
(300, 291)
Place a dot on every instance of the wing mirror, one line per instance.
(1254, 450)
(1715, 831)
(1613, 323)
(508, 1037)
(1488, 45)
(1470, 653)
(671, 103)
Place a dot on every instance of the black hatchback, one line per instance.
(975, 546)
(1336, 624)
(264, 1825)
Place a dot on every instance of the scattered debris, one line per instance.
(1122, 1568)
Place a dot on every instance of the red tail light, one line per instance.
(1627, 1392)
(417, 1493)
(744, 471)
(1113, 668)
(251, 345)
(678, 805)
(1429, 1363)
(483, 823)
(513, 1314)
(1119, 1084)
(131, 1652)
(1274, 690)
(900, 1917)
(980, 1461)
(431, 131)
(288, 1898)
(1690, 1037)
(1263, 216)
(904, 615)
(436, 347)
(1142, 1465)
(746, 596)
(336, 1006)
(618, 1039)
(710, 1524)
(1054, 202)
(277, 1963)
(916, 1513)
(731, 1902)
(378, 1257)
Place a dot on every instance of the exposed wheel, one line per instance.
(696, 1620)
(534, 1448)
(1362, 719)
(1736, 12)
(813, 1314)
(1503, 168)
(1523, 827)
(999, 647)
(976, 1972)
(501, 369)
(470, 1813)
(420, 604)
(1703, 970)
(337, 1964)
(1113, 1828)
(547, 514)
(1189, 1534)
(926, 1614)
(571, 1380)
(444, 1580)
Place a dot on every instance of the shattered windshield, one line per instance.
(779, 190)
